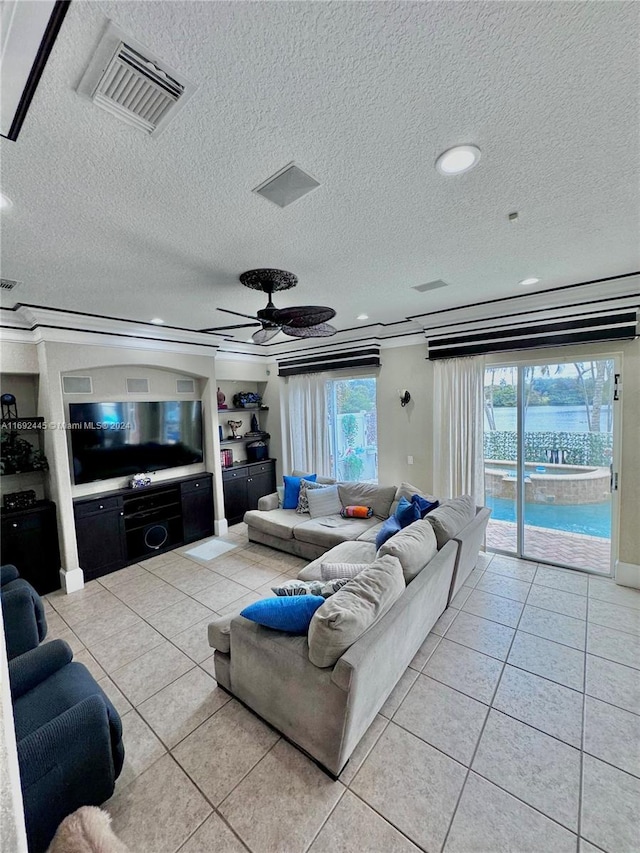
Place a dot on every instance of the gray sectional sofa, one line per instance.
(307, 537)
(324, 710)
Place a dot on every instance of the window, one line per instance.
(353, 429)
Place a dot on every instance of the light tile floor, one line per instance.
(515, 728)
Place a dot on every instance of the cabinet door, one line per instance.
(259, 485)
(100, 542)
(235, 499)
(30, 542)
(197, 514)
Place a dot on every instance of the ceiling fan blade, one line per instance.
(303, 316)
(320, 330)
(265, 334)
(224, 328)
(238, 314)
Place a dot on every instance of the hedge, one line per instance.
(580, 448)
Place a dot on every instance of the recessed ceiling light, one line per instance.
(362, 317)
(5, 202)
(526, 281)
(457, 160)
(158, 321)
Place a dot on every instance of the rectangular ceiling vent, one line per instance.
(128, 81)
(431, 285)
(185, 386)
(287, 185)
(8, 283)
(77, 385)
(137, 386)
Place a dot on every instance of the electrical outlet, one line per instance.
(409, 460)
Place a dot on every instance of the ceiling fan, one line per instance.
(301, 321)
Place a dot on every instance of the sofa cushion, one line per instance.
(345, 617)
(303, 500)
(389, 528)
(414, 546)
(406, 490)
(331, 571)
(292, 490)
(449, 518)
(276, 522)
(371, 533)
(407, 512)
(379, 498)
(324, 501)
(330, 530)
(284, 613)
(354, 551)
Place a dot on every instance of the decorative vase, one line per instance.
(221, 400)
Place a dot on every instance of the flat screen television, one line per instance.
(120, 439)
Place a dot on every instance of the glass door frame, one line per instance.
(521, 362)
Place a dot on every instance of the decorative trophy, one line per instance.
(235, 426)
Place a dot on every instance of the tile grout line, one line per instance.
(484, 725)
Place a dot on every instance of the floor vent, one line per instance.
(125, 79)
(8, 283)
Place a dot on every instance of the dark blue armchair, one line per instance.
(69, 738)
(25, 625)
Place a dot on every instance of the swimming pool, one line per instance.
(588, 519)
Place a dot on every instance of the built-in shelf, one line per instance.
(246, 409)
(263, 437)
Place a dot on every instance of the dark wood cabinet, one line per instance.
(100, 537)
(30, 542)
(244, 485)
(118, 528)
(197, 509)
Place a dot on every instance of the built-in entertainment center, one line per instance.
(117, 528)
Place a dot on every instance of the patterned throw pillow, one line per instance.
(356, 512)
(323, 588)
(331, 571)
(303, 500)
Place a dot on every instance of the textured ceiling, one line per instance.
(363, 96)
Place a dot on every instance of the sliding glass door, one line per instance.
(549, 461)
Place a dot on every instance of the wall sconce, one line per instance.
(404, 395)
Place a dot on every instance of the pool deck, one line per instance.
(554, 546)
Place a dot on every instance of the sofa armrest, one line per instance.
(33, 667)
(65, 764)
(21, 631)
(8, 573)
(268, 502)
(469, 540)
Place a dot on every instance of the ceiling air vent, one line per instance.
(128, 81)
(287, 185)
(8, 283)
(431, 285)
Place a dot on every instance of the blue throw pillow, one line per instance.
(390, 526)
(424, 505)
(292, 490)
(289, 613)
(407, 512)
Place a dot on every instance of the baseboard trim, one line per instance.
(627, 574)
(72, 580)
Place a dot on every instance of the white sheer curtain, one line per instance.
(458, 424)
(307, 432)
